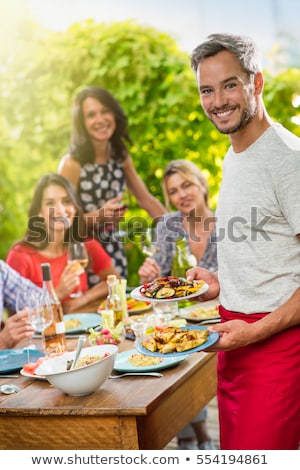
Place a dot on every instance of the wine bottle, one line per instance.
(183, 259)
(113, 301)
(54, 336)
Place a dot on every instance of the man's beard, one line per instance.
(246, 118)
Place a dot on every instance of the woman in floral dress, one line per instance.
(100, 168)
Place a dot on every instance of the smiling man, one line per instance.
(258, 280)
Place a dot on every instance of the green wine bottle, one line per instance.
(182, 259)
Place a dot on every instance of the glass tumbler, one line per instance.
(139, 328)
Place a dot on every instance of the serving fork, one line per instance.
(139, 374)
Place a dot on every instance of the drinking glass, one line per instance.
(23, 302)
(40, 316)
(125, 198)
(78, 257)
(139, 328)
(28, 300)
(166, 311)
(149, 245)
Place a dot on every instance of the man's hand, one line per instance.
(16, 329)
(210, 279)
(233, 334)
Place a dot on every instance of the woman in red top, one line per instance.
(55, 220)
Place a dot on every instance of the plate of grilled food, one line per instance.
(172, 341)
(169, 289)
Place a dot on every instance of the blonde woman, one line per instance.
(186, 190)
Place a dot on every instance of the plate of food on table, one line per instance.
(12, 360)
(177, 341)
(29, 368)
(169, 289)
(133, 361)
(81, 322)
(133, 306)
(201, 312)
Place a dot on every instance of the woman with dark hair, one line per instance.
(100, 168)
(55, 220)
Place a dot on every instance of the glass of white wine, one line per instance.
(78, 258)
(149, 245)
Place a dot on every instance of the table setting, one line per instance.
(111, 408)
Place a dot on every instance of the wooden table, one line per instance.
(128, 413)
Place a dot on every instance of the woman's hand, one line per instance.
(112, 211)
(16, 329)
(210, 278)
(149, 270)
(75, 304)
(68, 281)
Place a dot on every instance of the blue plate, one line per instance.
(87, 320)
(212, 338)
(12, 360)
(122, 363)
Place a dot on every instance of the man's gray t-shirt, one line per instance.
(258, 218)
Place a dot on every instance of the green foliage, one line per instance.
(147, 73)
(282, 95)
(142, 67)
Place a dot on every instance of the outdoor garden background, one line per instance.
(41, 71)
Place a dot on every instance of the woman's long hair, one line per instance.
(37, 234)
(81, 147)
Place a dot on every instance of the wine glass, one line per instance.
(125, 198)
(28, 300)
(40, 315)
(78, 257)
(23, 302)
(149, 245)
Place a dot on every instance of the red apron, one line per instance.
(259, 391)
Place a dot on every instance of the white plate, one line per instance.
(32, 376)
(186, 312)
(136, 294)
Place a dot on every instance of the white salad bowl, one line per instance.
(82, 380)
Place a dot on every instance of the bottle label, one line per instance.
(60, 327)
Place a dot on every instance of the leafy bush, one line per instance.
(147, 73)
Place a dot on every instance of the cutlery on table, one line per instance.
(8, 376)
(151, 374)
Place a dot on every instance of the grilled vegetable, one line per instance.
(170, 287)
(165, 293)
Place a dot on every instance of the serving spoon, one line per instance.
(81, 341)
